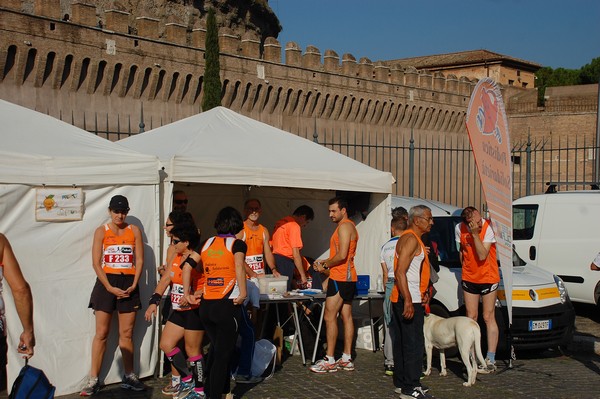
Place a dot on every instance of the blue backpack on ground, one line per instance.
(31, 383)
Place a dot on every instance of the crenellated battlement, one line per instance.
(172, 30)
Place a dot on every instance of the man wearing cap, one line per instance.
(117, 259)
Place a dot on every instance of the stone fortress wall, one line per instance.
(107, 71)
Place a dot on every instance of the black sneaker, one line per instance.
(132, 382)
(417, 393)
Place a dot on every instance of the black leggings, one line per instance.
(222, 319)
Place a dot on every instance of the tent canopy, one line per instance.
(222, 147)
(39, 149)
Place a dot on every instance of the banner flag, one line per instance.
(490, 141)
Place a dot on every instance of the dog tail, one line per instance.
(477, 333)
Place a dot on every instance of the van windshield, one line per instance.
(442, 240)
(524, 221)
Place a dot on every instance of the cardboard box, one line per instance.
(273, 285)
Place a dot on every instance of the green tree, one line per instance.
(590, 73)
(212, 78)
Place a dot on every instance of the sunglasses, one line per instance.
(181, 202)
(120, 211)
(252, 210)
(169, 224)
(175, 241)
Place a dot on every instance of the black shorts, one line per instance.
(479, 289)
(347, 289)
(188, 319)
(107, 302)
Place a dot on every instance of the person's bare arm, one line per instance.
(22, 296)
(298, 262)
(139, 257)
(269, 258)
(240, 275)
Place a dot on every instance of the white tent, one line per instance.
(38, 153)
(222, 158)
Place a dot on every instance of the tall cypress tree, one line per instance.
(212, 79)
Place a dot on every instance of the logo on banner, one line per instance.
(487, 115)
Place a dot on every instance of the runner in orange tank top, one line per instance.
(340, 288)
(117, 259)
(184, 322)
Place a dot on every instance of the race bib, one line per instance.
(119, 256)
(256, 263)
(176, 295)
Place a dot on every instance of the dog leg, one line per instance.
(443, 371)
(429, 351)
(464, 355)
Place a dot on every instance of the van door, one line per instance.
(526, 231)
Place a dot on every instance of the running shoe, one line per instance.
(417, 393)
(490, 367)
(91, 387)
(347, 365)
(132, 382)
(323, 366)
(389, 370)
(185, 388)
(247, 379)
(170, 389)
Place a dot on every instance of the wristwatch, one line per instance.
(324, 264)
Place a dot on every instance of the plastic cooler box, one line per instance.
(363, 284)
(273, 285)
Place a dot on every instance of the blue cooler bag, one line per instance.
(31, 383)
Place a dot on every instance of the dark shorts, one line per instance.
(347, 289)
(107, 302)
(478, 289)
(188, 319)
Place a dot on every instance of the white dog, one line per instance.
(459, 331)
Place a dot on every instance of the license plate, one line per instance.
(540, 325)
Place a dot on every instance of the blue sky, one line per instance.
(554, 33)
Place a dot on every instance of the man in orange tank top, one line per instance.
(480, 275)
(341, 287)
(411, 273)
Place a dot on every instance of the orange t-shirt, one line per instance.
(286, 235)
(417, 264)
(219, 267)
(474, 270)
(118, 251)
(176, 274)
(255, 240)
(345, 271)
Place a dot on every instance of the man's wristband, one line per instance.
(155, 299)
(324, 264)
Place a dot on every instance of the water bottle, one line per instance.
(379, 283)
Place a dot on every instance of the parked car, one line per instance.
(560, 232)
(542, 314)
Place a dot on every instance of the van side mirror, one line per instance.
(532, 252)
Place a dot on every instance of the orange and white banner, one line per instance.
(490, 141)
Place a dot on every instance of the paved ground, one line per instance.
(573, 372)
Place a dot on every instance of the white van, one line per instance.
(543, 315)
(560, 232)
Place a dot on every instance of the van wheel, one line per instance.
(439, 310)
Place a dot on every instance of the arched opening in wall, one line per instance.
(186, 86)
(11, 56)
(313, 108)
(321, 109)
(275, 102)
(146, 80)
(336, 98)
(234, 93)
(257, 96)
(246, 93)
(296, 102)
(66, 69)
(161, 82)
(116, 76)
(85, 65)
(131, 79)
(173, 84)
(49, 66)
(31, 55)
(306, 102)
(100, 74)
(267, 98)
(198, 89)
(365, 110)
(350, 107)
(336, 115)
(286, 103)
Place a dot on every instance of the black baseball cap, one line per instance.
(119, 203)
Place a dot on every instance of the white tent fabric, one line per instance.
(223, 149)
(221, 146)
(55, 257)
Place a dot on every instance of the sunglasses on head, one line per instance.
(175, 241)
(180, 202)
